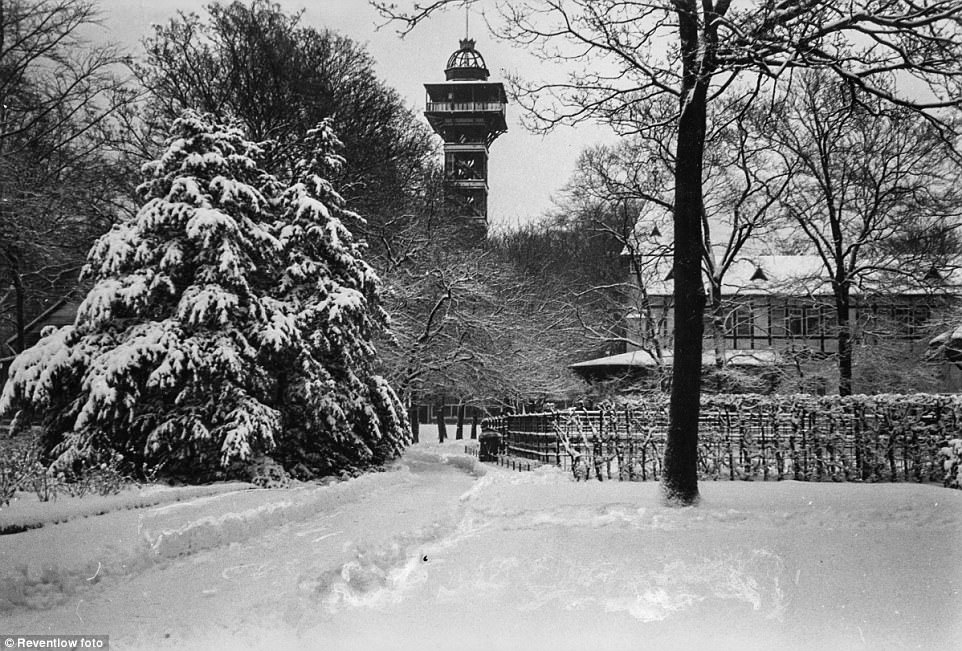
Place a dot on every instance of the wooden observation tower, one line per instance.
(468, 112)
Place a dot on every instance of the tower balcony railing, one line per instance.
(464, 107)
(472, 184)
(471, 147)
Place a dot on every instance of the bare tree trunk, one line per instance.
(442, 428)
(459, 429)
(474, 423)
(843, 309)
(20, 312)
(680, 479)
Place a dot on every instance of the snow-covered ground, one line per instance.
(443, 553)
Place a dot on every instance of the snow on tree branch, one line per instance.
(231, 318)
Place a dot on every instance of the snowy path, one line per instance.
(431, 557)
(270, 575)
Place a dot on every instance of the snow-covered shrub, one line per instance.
(21, 470)
(45, 483)
(267, 473)
(230, 318)
(106, 478)
(951, 457)
(16, 468)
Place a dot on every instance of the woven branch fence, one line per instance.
(803, 437)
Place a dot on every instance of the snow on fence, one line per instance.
(802, 437)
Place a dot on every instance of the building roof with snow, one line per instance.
(758, 271)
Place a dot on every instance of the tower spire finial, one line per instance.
(467, 16)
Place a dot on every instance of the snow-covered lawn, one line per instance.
(441, 553)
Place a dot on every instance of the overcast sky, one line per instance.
(526, 170)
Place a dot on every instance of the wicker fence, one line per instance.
(857, 438)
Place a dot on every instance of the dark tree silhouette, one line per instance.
(254, 63)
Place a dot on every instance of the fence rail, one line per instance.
(861, 438)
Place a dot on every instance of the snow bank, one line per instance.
(181, 529)
(28, 512)
(41, 567)
(451, 453)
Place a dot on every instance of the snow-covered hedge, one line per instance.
(854, 438)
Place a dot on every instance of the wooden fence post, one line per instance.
(630, 444)
(556, 427)
(890, 453)
(761, 431)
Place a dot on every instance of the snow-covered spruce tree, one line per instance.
(330, 386)
(202, 338)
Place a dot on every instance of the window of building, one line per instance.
(795, 322)
(813, 322)
(829, 326)
(809, 321)
(777, 322)
(740, 322)
(910, 319)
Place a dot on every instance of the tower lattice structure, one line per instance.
(468, 112)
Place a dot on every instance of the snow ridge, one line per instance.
(122, 542)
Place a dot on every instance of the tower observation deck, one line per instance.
(468, 112)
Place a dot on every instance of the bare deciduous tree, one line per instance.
(60, 99)
(741, 185)
(863, 170)
(626, 58)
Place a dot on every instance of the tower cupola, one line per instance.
(466, 64)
